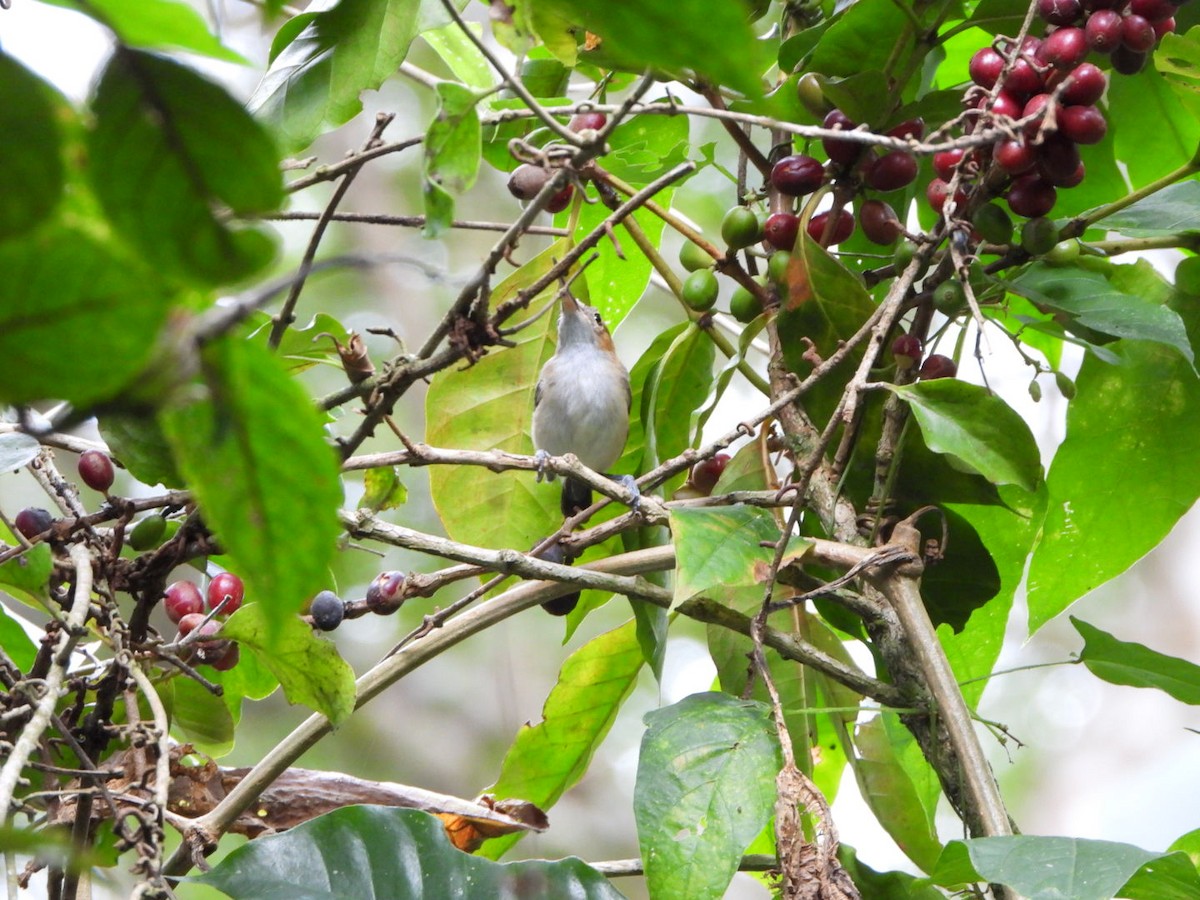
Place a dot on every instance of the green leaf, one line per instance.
(683, 381)
(714, 39)
(1146, 104)
(16, 449)
(58, 296)
(642, 379)
(139, 443)
(252, 449)
(309, 669)
(883, 885)
(250, 679)
(1043, 868)
(306, 346)
(155, 24)
(719, 549)
(899, 786)
(861, 40)
(1130, 424)
(461, 55)
(1173, 210)
(645, 147)
(401, 854)
(705, 789)
(973, 425)
(1178, 59)
(13, 639)
(27, 576)
(1123, 662)
(453, 144)
(383, 489)
(198, 716)
(490, 406)
(32, 177)
(1170, 877)
(343, 49)
(546, 759)
(1095, 302)
(159, 161)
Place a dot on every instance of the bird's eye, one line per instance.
(599, 321)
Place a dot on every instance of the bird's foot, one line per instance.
(541, 458)
(631, 485)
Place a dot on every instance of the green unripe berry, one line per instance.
(744, 306)
(148, 533)
(1038, 236)
(740, 228)
(1063, 253)
(1035, 391)
(777, 266)
(700, 290)
(810, 91)
(949, 297)
(693, 258)
(1066, 386)
(993, 224)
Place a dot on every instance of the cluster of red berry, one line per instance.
(186, 607)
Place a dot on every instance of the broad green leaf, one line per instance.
(383, 489)
(546, 759)
(461, 55)
(1170, 877)
(198, 716)
(1173, 210)
(16, 449)
(1178, 59)
(27, 576)
(861, 39)
(32, 177)
(883, 885)
(973, 425)
(159, 161)
(1043, 868)
(452, 147)
(401, 854)
(705, 789)
(252, 449)
(306, 346)
(1124, 662)
(714, 39)
(1141, 105)
(13, 639)
(683, 381)
(343, 49)
(309, 669)
(645, 147)
(490, 406)
(139, 443)
(155, 24)
(1095, 302)
(58, 297)
(718, 549)
(1190, 844)
(642, 378)
(898, 785)
(1130, 424)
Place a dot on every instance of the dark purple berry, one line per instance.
(938, 366)
(327, 610)
(1103, 30)
(797, 175)
(780, 230)
(1082, 124)
(1137, 34)
(385, 593)
(879, 222)
(96, 470)
(844, 153)
(32, 521)
(892, 171)
(1127, 61)
(1060, 12)
(1031, 196)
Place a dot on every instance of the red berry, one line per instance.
(985, 67)
(1082, 124)
(32, 521)
(189, 623)
(1163, 26)
(1103, 30)
(909, 128)
(1005, 104)
(843, 227)
(707, 472)
(96, 470)
(879, 222)
(1153, 10)
(1060, 12)
(526, 180)
(1086, 86)
(892, 171)
(182, 600)
(945, 162)
(797, 175)
(1137, 34)
(1015, 157)
(384, 595)
(906, 349)
(938, 366)
(1127, 61)
(227, 588)
(228, 659)
(1072, 180)
(844, 153)
(1035, 107)
(938, 192)
(1030, 196)
(588, 120)
(559, 201)
(1066, 48)
(1058, 158)
(1023, 79)
(780, 230)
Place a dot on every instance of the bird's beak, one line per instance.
(569, 303)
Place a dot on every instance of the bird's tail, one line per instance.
(576, 496)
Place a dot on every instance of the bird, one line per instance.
(581, 406)
(581, 402)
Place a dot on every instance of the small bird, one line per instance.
(581, 404)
